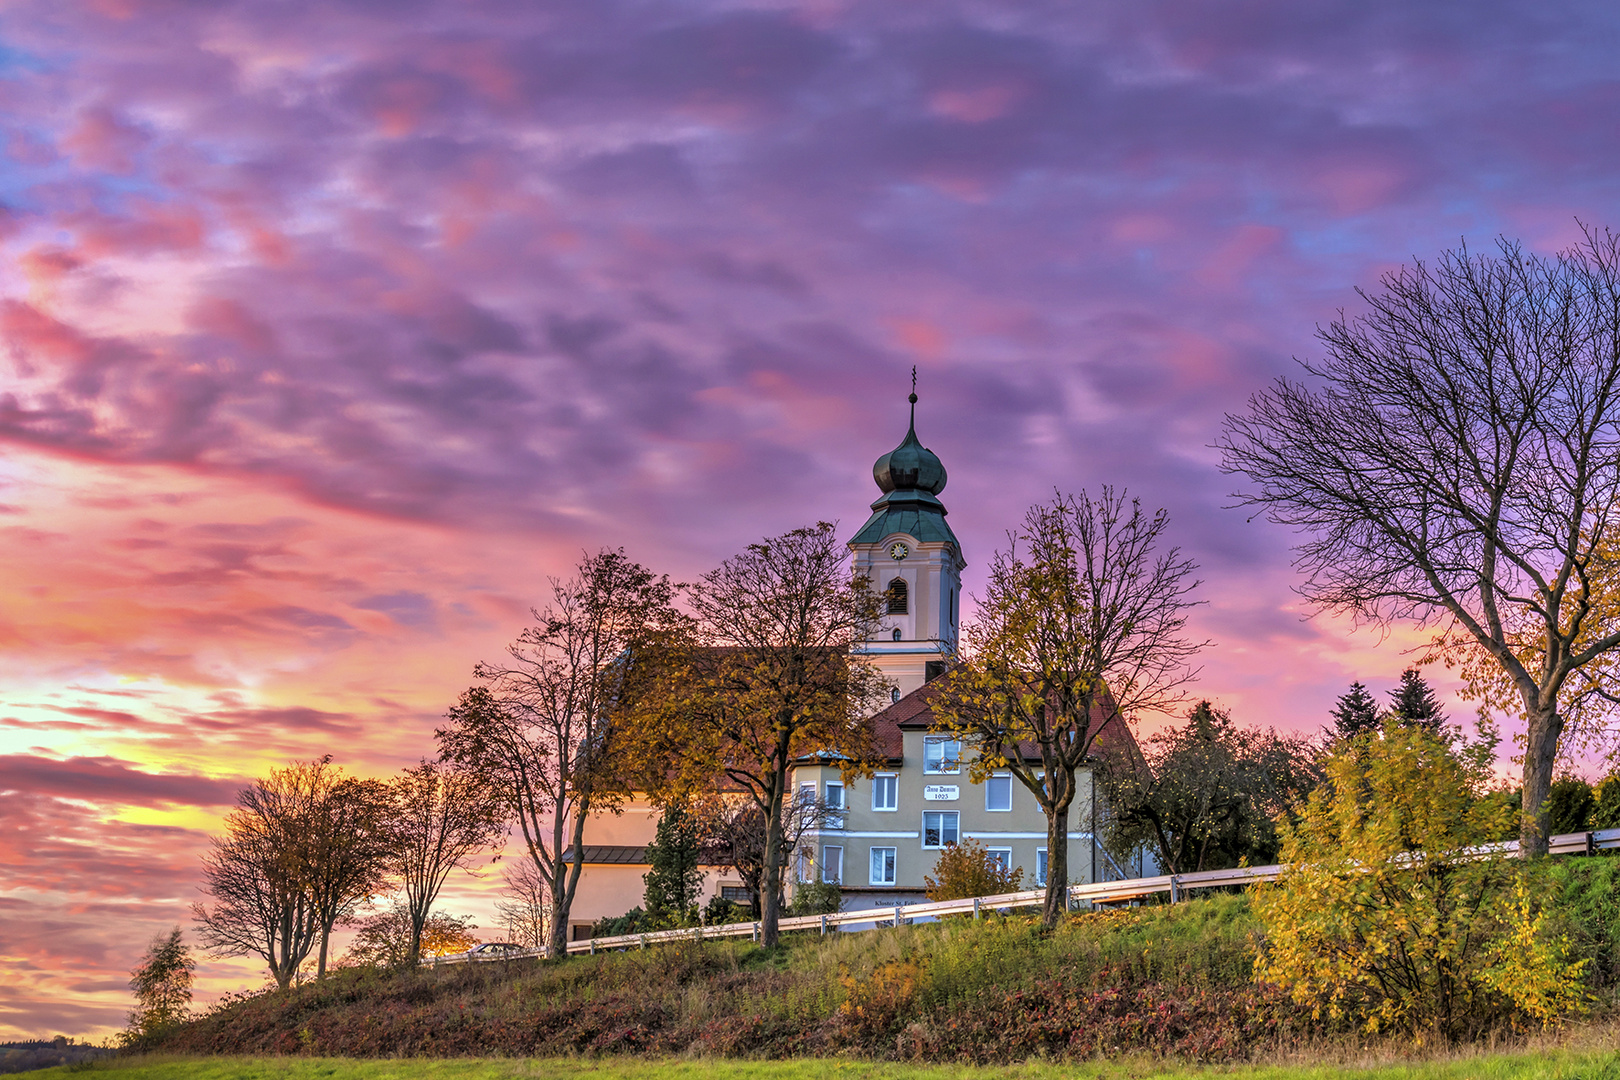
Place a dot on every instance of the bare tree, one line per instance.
(1458, 462)
(734, 830)
(440, 818)
(550, 731)
(1081, 626)
(774, 678)
(524, 908)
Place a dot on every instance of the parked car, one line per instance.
(494, 950)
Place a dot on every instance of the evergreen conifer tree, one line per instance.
(1413, 702)
(675, 879)
(1570, 802)
(1354, 712)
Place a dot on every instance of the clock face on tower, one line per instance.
(898, 550)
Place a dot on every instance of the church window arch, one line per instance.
(898, 596)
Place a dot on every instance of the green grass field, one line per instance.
(1559, 1064)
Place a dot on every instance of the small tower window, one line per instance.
(894, 695)
(897, 633)
(898, 597)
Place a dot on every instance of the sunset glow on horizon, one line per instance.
(332, 332)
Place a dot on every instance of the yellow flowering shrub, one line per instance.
(1531, 967)
(1393, 913)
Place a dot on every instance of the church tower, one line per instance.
(914, 561)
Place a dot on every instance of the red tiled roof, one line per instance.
(915, 712)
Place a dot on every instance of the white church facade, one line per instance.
(920, 800)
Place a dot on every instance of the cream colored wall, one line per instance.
(1022, 829)
(636, 824)
(611, 889)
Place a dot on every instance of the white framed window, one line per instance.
(806, 866)
(942, 754)
(1040, 867)
(1001, 856)
(998, 792)
(807, 792)
(882, 866)
(885, 792)
(832, 865)
(940, 828)
(835, 804)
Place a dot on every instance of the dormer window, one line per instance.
(898, 597)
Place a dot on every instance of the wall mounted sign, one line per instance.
(941, 793)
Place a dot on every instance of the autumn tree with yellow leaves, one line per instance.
(773, 674)
(1081, 625)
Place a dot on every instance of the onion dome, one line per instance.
(911, 466)
(911, 477)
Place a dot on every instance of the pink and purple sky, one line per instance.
(332, 329)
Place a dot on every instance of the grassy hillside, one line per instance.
(1163, 980)
(1171, 982)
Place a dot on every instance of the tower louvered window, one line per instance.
(898, 597)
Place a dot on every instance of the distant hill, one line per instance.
(16, 1057)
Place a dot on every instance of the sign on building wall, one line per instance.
(941, 793)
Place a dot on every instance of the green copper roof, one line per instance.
(910, 476)
(911, 465)
(923, 523)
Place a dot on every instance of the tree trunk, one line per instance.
(1540, 754)
(282, 966)
(562, 899)
(418, 917)
(1057, 865)
(557, 941)
(320, 962)
(282, 969)
(770, 893)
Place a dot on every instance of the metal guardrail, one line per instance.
(1106, 892)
